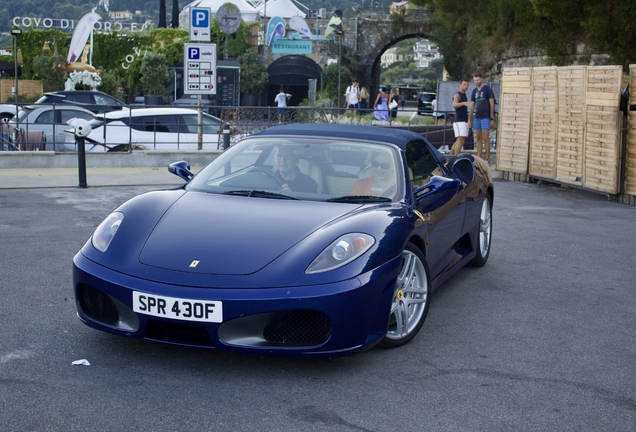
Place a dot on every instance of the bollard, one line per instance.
(226, 136)
(81, 161)
(81, 128)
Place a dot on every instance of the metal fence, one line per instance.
(167, 131)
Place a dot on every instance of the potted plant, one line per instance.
(154, 78)
(254, 77)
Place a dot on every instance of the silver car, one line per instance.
(52, 120)
(164, 129)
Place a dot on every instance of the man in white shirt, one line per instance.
(352, 95)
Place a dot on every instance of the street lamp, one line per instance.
(16, 32)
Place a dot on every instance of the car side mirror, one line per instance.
(464, 170)
(437, 192)
(181, 169)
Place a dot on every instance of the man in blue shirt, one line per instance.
(482, 107)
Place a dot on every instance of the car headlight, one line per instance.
(105, 232)
(340, 252)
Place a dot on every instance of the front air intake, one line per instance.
(298, 327)
(97, 305)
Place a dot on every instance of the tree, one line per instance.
(49, 70)
(154, 74)
(111, 84)
(162, 14)
(254, 74)
(330, 80)
(175, 14)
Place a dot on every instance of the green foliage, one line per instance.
(111, 84)
(471, 35)
(111, 49)
(235, 44)
(169, 42)
(253, 74)
(397, 21)
(403, 73)
(330, 80)
(154, 74)
(49, 70)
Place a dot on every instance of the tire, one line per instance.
(411, 299)
(4, 118)
(484, 234)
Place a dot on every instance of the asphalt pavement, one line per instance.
(539, 339)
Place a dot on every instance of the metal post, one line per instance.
(199, 123)
(16, 32)
(226, 136)
(339, 62)
(81, 161)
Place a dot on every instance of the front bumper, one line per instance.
(332, 319)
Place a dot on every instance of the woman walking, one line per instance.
(364, 101)
(381, 105)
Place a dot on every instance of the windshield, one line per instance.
(317, 169)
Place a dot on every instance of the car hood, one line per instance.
(232, 235)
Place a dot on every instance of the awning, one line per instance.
(293, 70)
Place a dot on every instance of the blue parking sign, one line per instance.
(200, 24)
(194, 53)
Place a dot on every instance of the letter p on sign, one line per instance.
(200, 19)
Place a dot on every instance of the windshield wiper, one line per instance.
(359, 199)
(259, 194)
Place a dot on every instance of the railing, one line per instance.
(158, 134)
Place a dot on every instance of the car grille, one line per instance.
(97, 305)
(301, 327)
(177, 332)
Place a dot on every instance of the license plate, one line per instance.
(178, 308)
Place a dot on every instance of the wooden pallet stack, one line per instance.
(544, 122)
(570, 124)
(629, 187)
(602, 128)
(514, 120)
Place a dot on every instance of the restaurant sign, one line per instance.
(285, 46)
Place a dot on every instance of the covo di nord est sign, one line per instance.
(67, 24)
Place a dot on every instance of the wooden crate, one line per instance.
(543, 122)
(630, 162)
(513, 135)
(26, 89)
(570, 129)
(602, 128)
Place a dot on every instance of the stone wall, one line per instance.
(515, 58)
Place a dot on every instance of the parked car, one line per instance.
(7, 112)
(327, 263)
(151, 129)
(425, 103)
(91, 100)
(52, 120)
(192, 101)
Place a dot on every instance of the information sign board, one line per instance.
(199, 61)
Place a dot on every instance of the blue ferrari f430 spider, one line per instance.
(299, 240)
